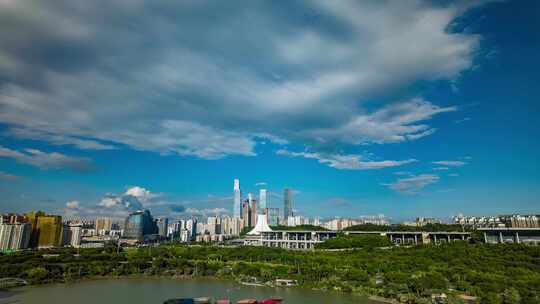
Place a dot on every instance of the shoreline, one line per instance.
(13, 291)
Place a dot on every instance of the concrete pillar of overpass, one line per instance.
(517, 238)
(435, 238)
(403, 238)
(500, 237)
(391, 239)
(448, 237)
(415, 239)
(485, 237)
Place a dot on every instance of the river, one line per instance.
(156, 290)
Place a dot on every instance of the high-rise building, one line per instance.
(272, 216)
(162, 224)
(14, 236)
(138, 224)
(237, 208)
(246, 213)
(46, 229)
(262, 200)
(103, 224)
(287, 203)
(73, 234)
(191, 226)
(12, 218)
(253, 212)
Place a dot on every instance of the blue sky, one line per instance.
(406, 109)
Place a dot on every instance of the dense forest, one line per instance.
(504, 273)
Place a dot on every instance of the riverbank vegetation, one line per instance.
(399, 227)
(504, 273)
(355, 241)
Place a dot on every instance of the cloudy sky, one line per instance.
(401, 108)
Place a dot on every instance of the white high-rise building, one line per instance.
(262, 201)
(73, 235)
(14, 236)
(237, 212)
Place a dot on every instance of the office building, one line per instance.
(46, 229)
(162, 224)
(287, 203)
(262, 200)
(191, 227)
(272, 216)
(73, 234)
(237, 197)
(139, 224)
(14, 236)
(246, 214)
(103, 225)
(253, 212)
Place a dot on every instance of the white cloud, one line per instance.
(450, 163)
(124, 202)
(395, 122)
(193, 94)
(72, 205)
(44, 160)
(453, 174)
(8, 177)
(441, 168)
(346, 161)
(205, 212)
(402, 173)
(413, 184)
(260, 184)
(142, 194)
(57, 139)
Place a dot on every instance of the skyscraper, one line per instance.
(46, 229)
(253, 212)
(246, 214)
(287, 203)
(162, 224)
(272, 216)
(73, 234)
(262, 201)
(14, 236)
(103, 224)
(138, 224)
(237, 212)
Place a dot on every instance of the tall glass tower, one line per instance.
(262, 201)
(287, 203)
(237, 198)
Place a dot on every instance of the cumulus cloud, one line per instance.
(44, 160)
(142, 194)
(260, 184)
(72, 205)
(133, 199)
(289, 72)
(450, 163)
(346, 161)
(8, 177)
(413, 184)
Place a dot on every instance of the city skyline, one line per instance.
(371, 113)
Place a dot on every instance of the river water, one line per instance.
(150, 291)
